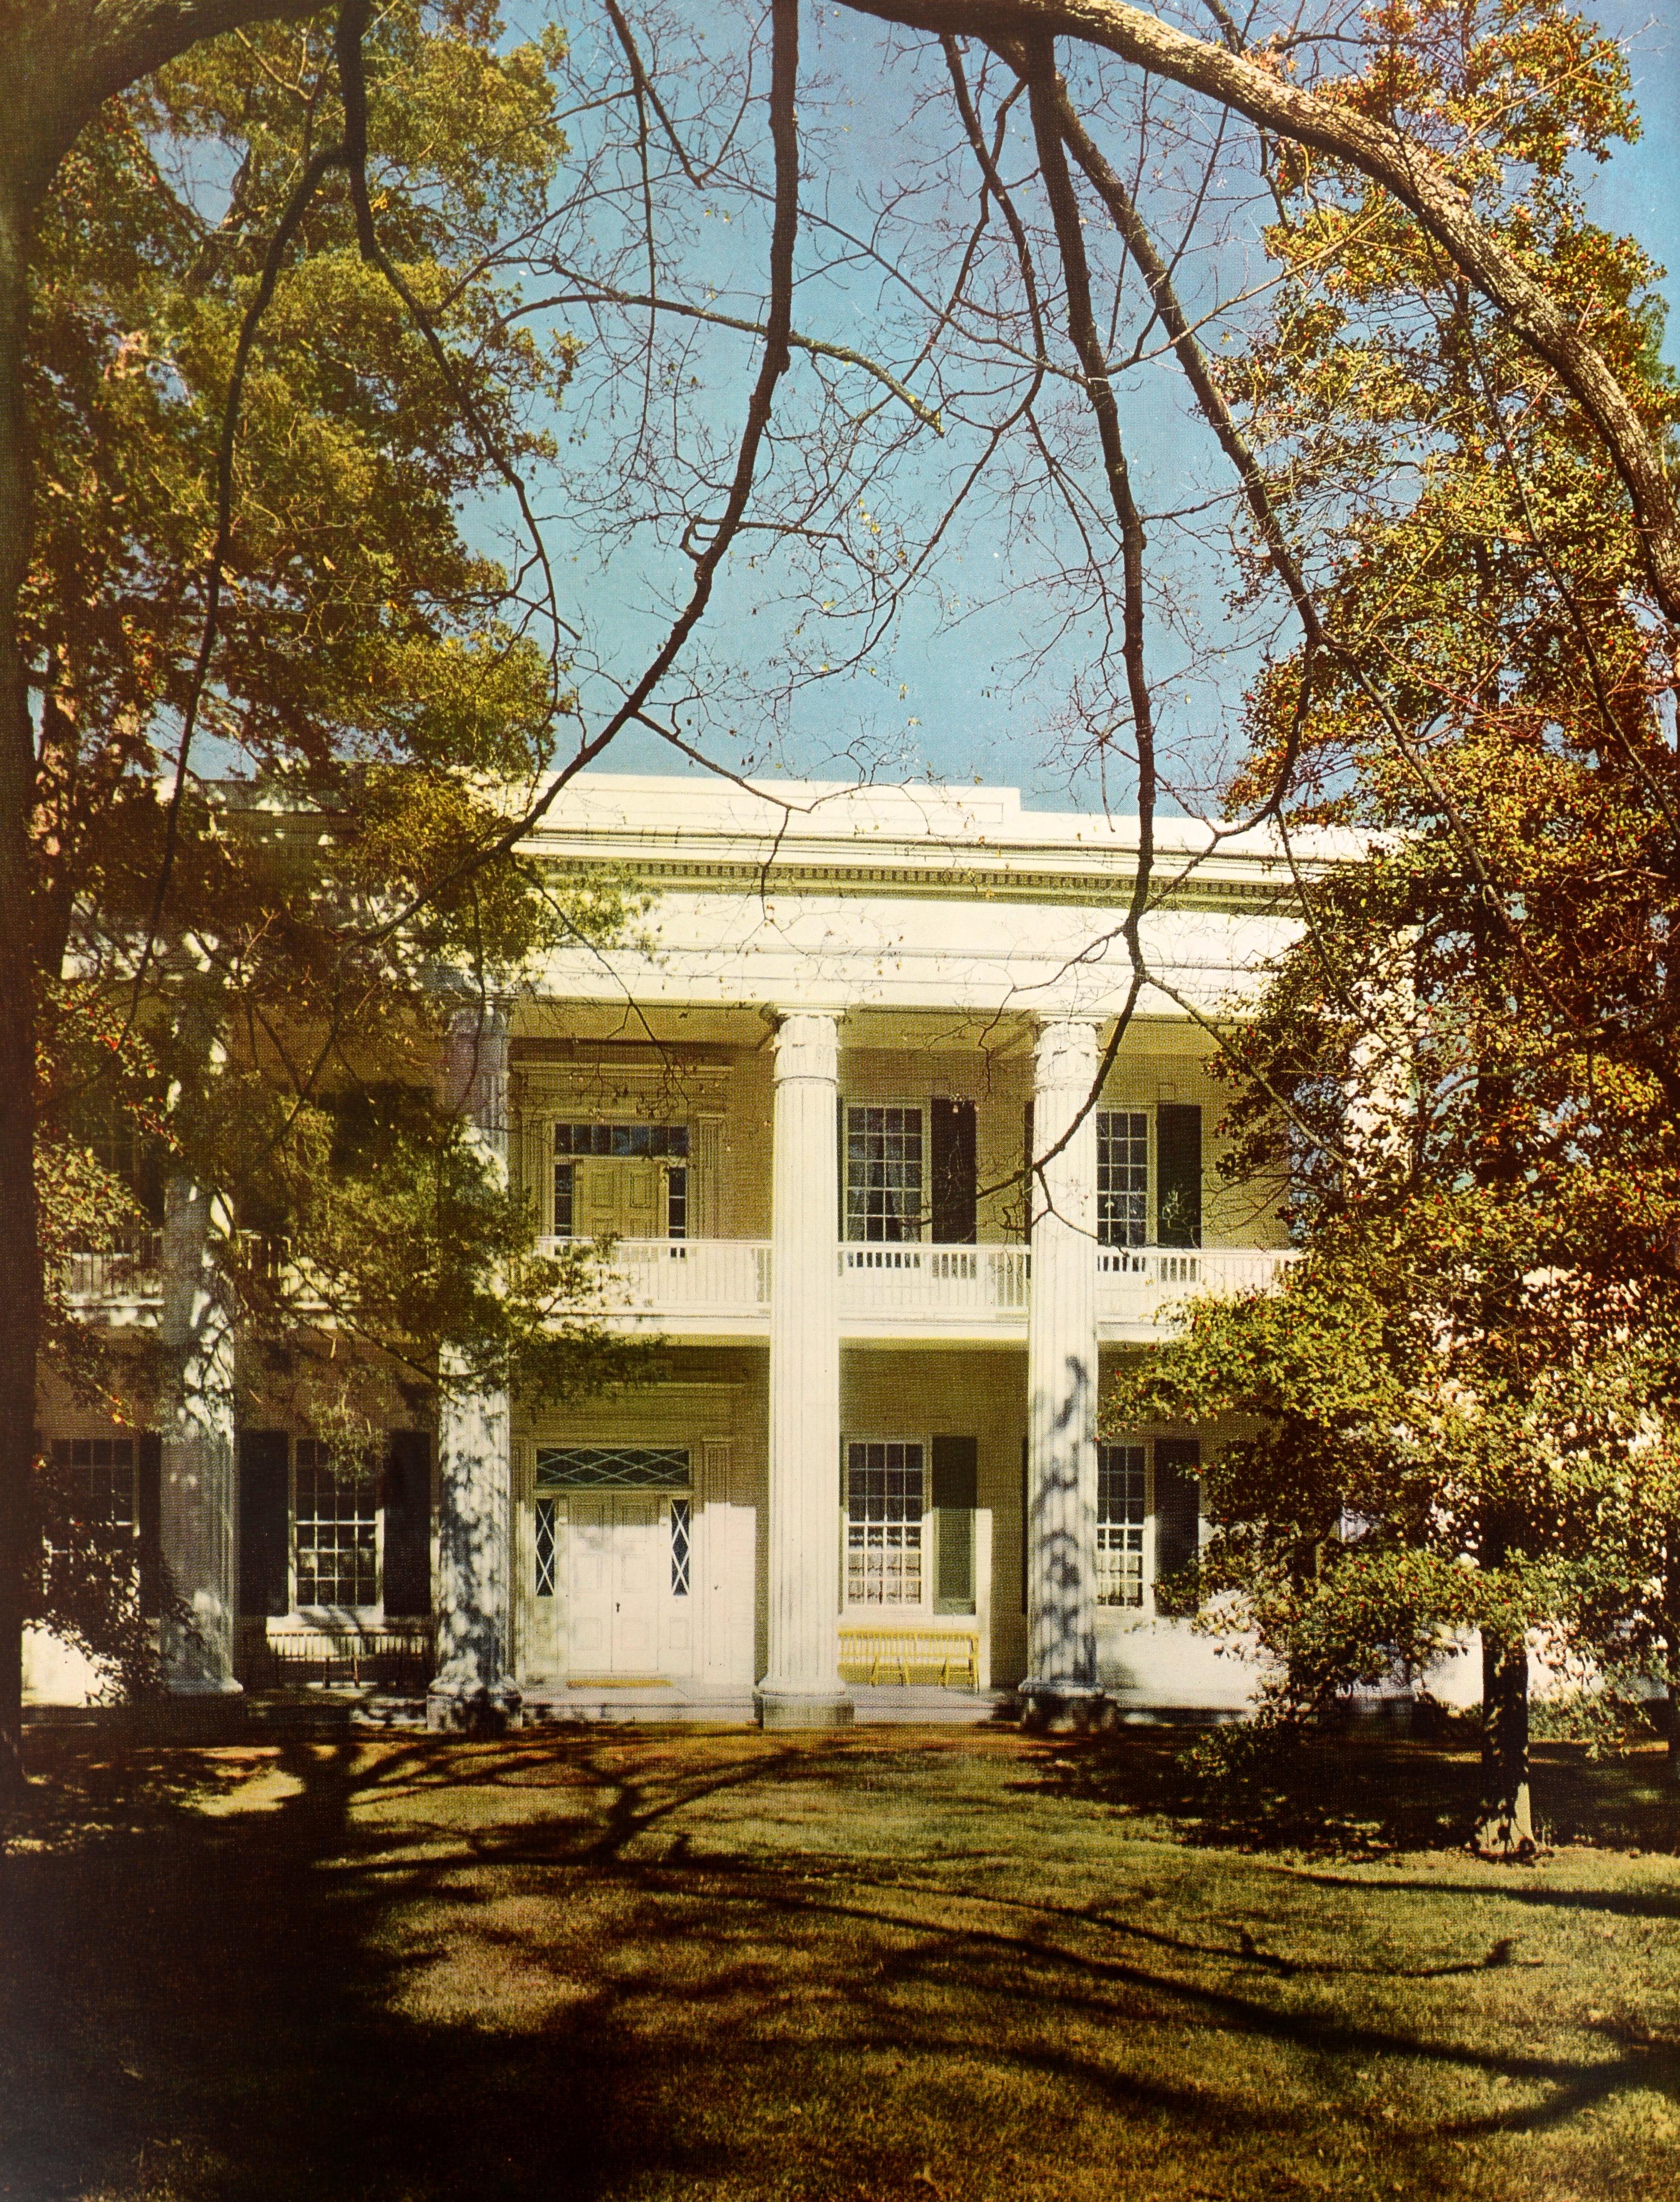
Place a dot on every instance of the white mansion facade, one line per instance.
(801, 1109)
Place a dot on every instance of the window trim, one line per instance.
(920, 1109)
(316, 1611)
(924, 1606)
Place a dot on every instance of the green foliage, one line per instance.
(1459, 1412)
(259, 994)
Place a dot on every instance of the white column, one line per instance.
(1060, 1529)
(802, 1687)
(472, 1687)
(198, 1508)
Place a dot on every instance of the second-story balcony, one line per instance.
(720, 1287)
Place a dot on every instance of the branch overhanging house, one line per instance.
(804, 1108)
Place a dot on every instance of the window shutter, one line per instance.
(954, 1177)
(955, 1495)
(265, 1513)
(1178, 1173)
(1177, 1504)
(148, 1520)
(407, 1501)
(1025, 1501)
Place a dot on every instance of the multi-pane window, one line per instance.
(100, 1473)
(682, 1541)
(338, 1528)
(565, 1187)
(884, 1174)
(883, 1523)
(545, 1548)
(657, 1141)
(1122, 1177)
(1121, 1498)
(677, 1201)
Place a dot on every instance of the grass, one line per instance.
(894, 1966)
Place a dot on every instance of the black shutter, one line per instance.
(407, 1500)
(1177, 1504)
(1178, 1173)
(265, 1521)
(956, 1477)
(954, 1177)
(148, 1520)
(1025, 1500)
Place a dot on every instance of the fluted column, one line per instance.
(1060, 1528)
(802, 1687)
(197, 1510)
(472, 1687)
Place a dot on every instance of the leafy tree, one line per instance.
(259, 983)
(1472, 1054)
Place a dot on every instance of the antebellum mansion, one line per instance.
(866, 1473)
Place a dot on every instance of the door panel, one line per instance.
(618, 1200)
(637, 1543)
(589, 1553)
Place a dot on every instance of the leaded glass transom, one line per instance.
(611, 1467)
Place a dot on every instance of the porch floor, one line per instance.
(881, 1706)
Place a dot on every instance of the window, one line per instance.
(100, 1474)
(681, 1542)
(1121, 1499)
(611, 1467)
(338, 1530)
(624, 1141)
(627, 1143)
(545, 1548)
(1122, 1177)
(883, 1524)
(884, 1174)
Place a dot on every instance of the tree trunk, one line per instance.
(1505, 1826)
(20, 1243)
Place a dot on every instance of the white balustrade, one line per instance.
(681, 1276)
(933, 1280)
(986, 1285)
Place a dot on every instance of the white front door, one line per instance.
(615, 1550)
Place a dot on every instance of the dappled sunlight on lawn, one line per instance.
(877, 1965)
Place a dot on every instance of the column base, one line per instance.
(473, 1708)
(1052, 1708)
(802, 1709)
(205, 1686)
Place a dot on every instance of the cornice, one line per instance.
(1006, 878)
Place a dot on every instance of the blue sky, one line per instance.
(947, 701)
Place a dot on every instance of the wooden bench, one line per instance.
(944, 1655)
(401, 1657)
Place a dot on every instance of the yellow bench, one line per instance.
(944, 1654)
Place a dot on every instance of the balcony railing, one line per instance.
(933, 1280)
(721, 1279)
(112, 1277)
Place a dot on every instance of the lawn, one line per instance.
(891, 1966)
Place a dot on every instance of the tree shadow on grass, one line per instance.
(432, 1969)
(1348, 1794)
